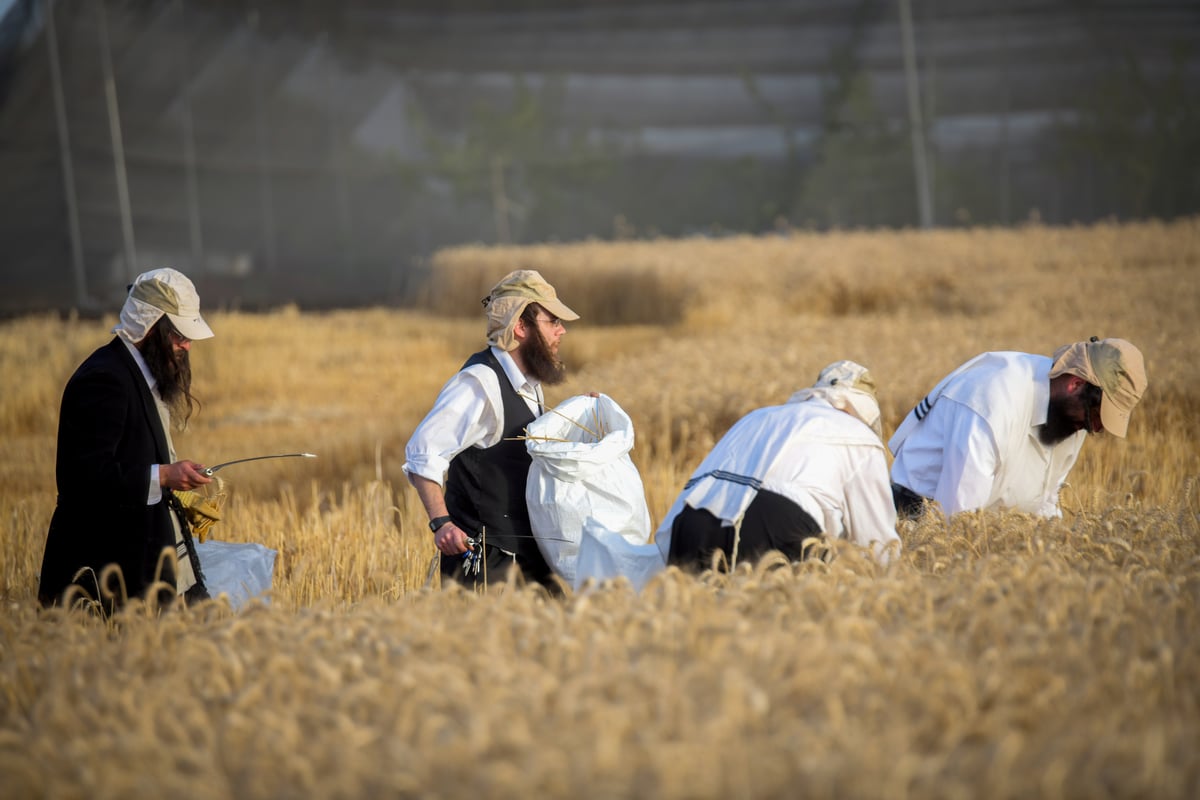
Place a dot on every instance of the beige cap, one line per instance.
(1116, 366)
(849, 387)
(510, 296)
(155, 293)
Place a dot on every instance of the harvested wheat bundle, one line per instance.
(202, 507)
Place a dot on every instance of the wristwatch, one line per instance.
(438, 522)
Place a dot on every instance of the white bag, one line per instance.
(239, 570)
(604, 555)
(582, 473)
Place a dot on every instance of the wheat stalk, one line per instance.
(574, 422)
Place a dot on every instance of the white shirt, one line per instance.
(468, 412)
(977, 445)
(826, 461)
(155, 492)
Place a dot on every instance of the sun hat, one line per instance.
(157, 293)
(1116, 366)
(508, 299)
(849, 387)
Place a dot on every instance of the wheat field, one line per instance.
(1002, 656)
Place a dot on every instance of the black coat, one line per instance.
(109, 435)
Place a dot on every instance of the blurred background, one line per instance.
(318, 153)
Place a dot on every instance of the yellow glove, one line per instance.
(200, 511)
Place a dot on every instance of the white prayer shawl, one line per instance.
(921, 409)
(973, 442)
(827, 461)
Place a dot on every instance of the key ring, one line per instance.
(472, 557)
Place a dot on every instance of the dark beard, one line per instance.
(540, 363)
(1058, 426)
(172, 372)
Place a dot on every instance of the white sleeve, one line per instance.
(1050, 508)
(155, 493)
(467, 413)
(969, 460)
(870, 514)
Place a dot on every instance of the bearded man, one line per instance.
(117, 522)
(465, 460)
(1004, 429)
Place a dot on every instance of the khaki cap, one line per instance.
(508, 300)
(529, 285)
(1116, 366)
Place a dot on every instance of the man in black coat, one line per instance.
(117, 521)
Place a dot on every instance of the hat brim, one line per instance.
(557, 308)
(191, 327)
(1115, 420)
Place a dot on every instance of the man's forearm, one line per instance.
(431, 494)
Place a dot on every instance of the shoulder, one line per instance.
(771, 418)
(483, 358)
(1001, 393)
(477, 373)
(472, 381)
(108, 363)
(992, 377)
(479, 367)
(815, 421)
(840, 427)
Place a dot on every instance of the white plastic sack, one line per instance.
(582, 473)
(604, 555)
(240, 570)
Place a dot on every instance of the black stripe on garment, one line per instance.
(722, 475)
(923, 408)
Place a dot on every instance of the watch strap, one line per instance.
(438, 522)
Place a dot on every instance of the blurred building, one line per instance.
(317, 152)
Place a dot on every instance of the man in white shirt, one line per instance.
(781, 475)
(1004, 429)
(465, 460)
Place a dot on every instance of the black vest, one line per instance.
(485, 487)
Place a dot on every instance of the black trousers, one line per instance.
(771, 522)
(909, 504)
(497, 564)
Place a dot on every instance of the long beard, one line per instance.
(1058, 426)
(540, 361)
(172, 374)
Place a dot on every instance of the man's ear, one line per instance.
(1075, 384)
(1066, 385)
(521, 329)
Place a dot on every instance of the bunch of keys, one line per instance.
(473, 556)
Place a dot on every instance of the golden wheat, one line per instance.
(1001, 656)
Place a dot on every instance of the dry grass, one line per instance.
(1003, 656)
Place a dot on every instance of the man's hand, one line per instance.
(450, 539)
(182, 475)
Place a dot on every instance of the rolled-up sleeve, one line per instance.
(467, 413)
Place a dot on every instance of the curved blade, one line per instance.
(210, 470)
